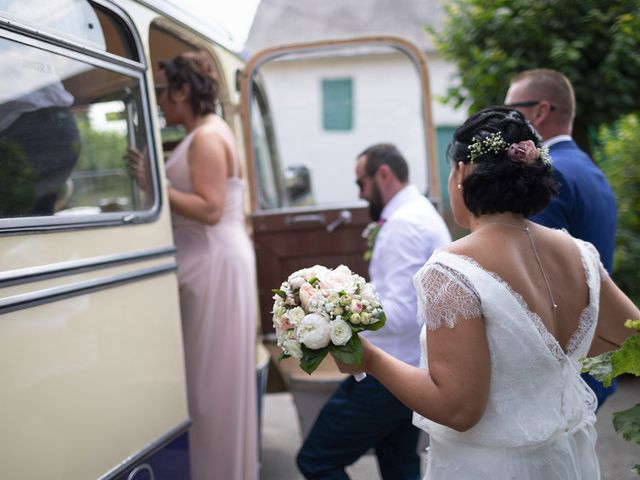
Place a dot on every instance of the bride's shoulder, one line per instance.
(467, 246)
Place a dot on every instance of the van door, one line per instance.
(327, 102)
(90, 341)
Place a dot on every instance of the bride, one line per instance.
(508, 311)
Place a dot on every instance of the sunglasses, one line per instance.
(527, 103)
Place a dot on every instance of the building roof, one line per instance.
(279, 22)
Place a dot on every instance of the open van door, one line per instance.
(327, 102)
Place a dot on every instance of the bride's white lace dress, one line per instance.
(540, 416)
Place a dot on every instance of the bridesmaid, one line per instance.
(216, 273)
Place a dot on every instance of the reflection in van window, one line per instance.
(65, 126)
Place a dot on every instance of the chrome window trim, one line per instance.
(61, 223)
(147, 451)
(49, 295)
(61, 269)
(17, 27)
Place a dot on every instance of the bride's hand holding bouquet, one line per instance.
(318, 310)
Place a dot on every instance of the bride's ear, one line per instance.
(463, 171)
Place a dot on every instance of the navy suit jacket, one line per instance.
(585, 205)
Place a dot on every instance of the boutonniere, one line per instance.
(370, 233)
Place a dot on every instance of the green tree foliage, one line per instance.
(619, 158)
(595, 43)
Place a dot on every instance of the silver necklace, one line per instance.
(527, 232)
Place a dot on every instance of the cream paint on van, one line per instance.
(90, 380)
(98, 363)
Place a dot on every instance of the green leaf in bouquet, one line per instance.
(311, 359)
(382, 319)
(627, 423)
(283, 356)
(627, 358)
(350, 353)
(600, 367)
(279, 292)
(314, 280)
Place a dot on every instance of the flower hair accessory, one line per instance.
(524, 152)
(491, 143)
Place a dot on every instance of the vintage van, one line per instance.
(92, 380)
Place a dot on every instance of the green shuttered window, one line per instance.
(337, 104)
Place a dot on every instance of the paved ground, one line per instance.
(281, 439)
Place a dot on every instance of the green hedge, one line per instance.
(618, 155)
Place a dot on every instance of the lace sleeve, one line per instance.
(595, 257)
(445, 296)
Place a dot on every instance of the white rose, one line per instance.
(314, 331)
(292, 348)
(340, 332)
(296, 315)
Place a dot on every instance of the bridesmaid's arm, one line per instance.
(208, 167)
(455, 389)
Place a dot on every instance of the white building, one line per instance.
(357, 120)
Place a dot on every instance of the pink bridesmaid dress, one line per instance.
(217, 277)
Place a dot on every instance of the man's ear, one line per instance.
(541, 112)
(385, 172)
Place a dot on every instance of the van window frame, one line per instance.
(137, 70)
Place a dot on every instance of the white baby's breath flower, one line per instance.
(314, 331)
(340, 332)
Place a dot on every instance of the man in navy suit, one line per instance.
(585, 205)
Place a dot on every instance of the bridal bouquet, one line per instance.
(319, 310)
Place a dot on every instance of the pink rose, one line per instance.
(524, 152)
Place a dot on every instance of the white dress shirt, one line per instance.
(412, 230)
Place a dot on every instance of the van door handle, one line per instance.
(304, 218)
(343, 217)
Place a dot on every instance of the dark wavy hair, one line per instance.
(496, 184)
(387, 154)
(196, 70)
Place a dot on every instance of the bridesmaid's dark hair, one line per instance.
(496, 184)
(196, 70)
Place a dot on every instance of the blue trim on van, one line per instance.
(166, 459)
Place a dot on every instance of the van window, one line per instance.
(327, 106)
(66, 125)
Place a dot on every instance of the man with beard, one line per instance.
(364, 415)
